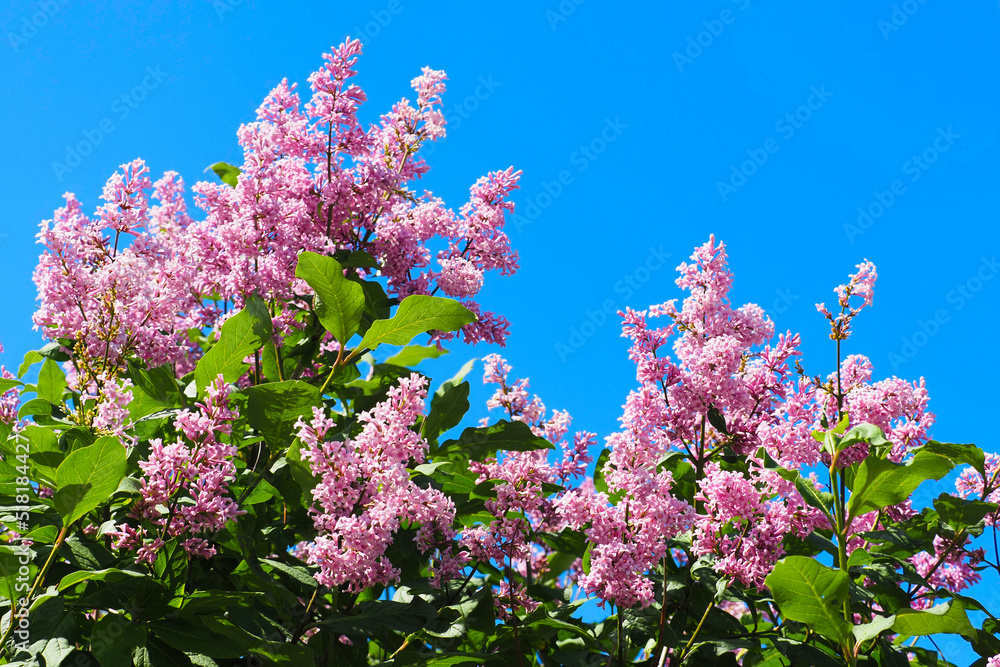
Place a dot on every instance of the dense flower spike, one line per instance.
(314, 180)
(971, 485)
(113, 302)
(951, 566)
(861, 284)
(365, 493)
(523, 507)
(311, 179)
(185, 484)
(746, 520)
(10, 400)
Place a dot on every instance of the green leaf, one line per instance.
(114, 638)
(296, 572)
(227, 173)
(880, 482)
(869, 433)
(806, 489)
(376, 616)
(377, 304)
(35, 407)
(414, 354)
(110, 574)
(968, 454)
(960, 514)
(599, 483)
(717, 420)
(588, 555)
(273, 408)
(30, 359)
(339, 302)
(192, 637)
(6, 384)
(51, 382)
(877, 626)
(416, 314)
(477, 443)
(88, 477)
(949, 618)
(812, 593)
(449, 405)
(45, 453)
(242, 334)
(414, 659)
(10, 563)
(153, 390)
(355, 259)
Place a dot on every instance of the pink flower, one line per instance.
(365, 493)
(185, 485)
(112, 413)
(861, 284)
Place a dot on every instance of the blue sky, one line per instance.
(807, 136)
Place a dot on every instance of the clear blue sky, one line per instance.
(648, 112)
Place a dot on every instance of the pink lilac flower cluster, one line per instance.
(10, 400)
(365, 494)
(111, 414)
(185, 485)
(970, 484)
(744, 521)
(112, 301)
(714, 380)
(993, 662)
(951, 566)
(862, 285)
(136, 277)
(523, 506)
(716, 369)
(896, 406)
(313, 179)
